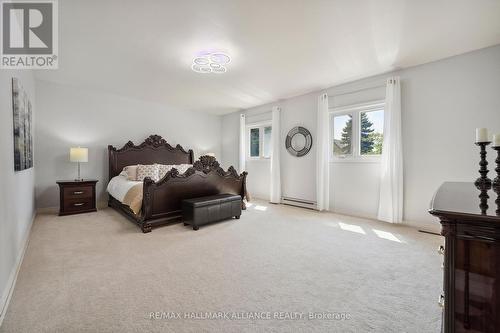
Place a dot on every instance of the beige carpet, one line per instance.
(98, 273)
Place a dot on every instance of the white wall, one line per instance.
(17, 196)
(230, 129)
(443, 102)
(355, 186)
(298, 181)
(298, 174)
(69, 117)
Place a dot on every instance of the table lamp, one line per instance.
(79, 155)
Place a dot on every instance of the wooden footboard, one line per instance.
(162, 200)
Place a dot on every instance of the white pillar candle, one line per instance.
(496, 140)
(481, 135)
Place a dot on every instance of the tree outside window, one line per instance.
(358, 133)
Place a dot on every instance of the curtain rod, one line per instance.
(358, 90)
(257, 114)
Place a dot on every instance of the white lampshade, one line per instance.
(210, 154)
(79, 154)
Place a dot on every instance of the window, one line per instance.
(372, 127)
(342, 136)
(358, 131)
(259, 141)
(254, 142)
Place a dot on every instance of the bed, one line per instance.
(161, 200)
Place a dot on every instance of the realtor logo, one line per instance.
(29, 35)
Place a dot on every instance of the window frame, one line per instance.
(260, 126)
(354, 111)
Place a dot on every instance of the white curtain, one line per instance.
(275, 194)
(390, 207)
(323, 155)
(242, 142)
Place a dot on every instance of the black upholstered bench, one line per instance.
(203, 210)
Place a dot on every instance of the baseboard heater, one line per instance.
(298, 202)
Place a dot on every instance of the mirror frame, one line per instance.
(288, 142)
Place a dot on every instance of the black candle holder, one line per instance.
(496, 181)
(483, 181)
(497, 201)
(483, 201)
(483, 197)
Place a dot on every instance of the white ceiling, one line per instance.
(279, 48)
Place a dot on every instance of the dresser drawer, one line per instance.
(78, 192)
(75, 205)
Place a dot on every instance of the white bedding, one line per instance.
(119, 186)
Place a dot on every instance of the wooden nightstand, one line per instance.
(76, 196)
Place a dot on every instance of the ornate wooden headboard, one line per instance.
(153, 150)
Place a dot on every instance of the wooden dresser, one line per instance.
(470, 220)
(77, 196)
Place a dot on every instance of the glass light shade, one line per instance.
(201, 61)
(220, 58)
(79, 154)
(219, 70)
(211, 63)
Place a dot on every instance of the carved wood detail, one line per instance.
(155, 141)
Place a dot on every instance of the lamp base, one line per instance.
(79, 179)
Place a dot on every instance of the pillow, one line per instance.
(150, 170)
(183, 167)
(131, 172)
(164, 168)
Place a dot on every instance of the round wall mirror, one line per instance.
(298, 141)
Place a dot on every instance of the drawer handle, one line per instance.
(441, 249)
(78, 192)
(441, 301)
(79, 204)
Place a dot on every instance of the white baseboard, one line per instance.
(11, 282)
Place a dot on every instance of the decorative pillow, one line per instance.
(131, 172)
(150, 170)
(164, 168)
(182, 168)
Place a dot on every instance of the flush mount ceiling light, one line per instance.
(211, 63)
